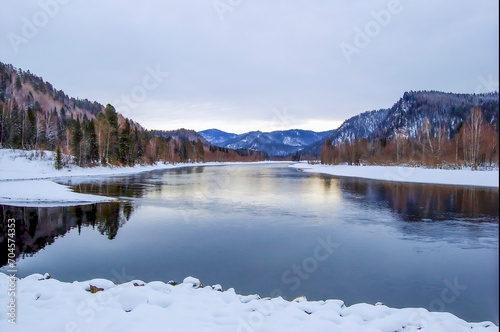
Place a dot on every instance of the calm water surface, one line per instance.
(273, 230)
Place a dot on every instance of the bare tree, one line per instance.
(426, 128)
(400, 139)
(50, 130)
(473, 137)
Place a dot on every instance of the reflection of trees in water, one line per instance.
(37, 227)
(131, 186)
(464, 216)
(422, 201)
(136, 185)
(110, 217)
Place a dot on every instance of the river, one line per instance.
(273, 230)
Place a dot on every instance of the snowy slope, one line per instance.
(441, 109)
(51, 305)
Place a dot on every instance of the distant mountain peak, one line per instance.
(276, 143)
(216, 136)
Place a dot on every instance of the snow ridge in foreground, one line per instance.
(51, 305)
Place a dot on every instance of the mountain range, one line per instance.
(33, 114)
(276, 143)
(406, 116)
(216, 136)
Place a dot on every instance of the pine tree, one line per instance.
(16, 127)
(111, 118)
(183, 151)
(200, 153)
(58, 161)
(91, 145)
(296, 156)
(2, 125)
(124, 145)
(101, 125)
(138, 149)
(18, 83)
(189, 150)
(76, 141)
(29, 129)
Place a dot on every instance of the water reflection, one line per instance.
(136, 185)
(38, 227)
(413, 202)
(424, 202)
(235, 189)
(228, 224)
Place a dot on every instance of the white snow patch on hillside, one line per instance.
(462, 177)
(50, 305)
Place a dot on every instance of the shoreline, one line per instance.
(15, 165)
(26, 180)
(102, 305)
(456, 177)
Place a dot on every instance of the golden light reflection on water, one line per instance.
(249, 186)
(321, 189)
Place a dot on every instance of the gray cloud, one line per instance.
(262, 57)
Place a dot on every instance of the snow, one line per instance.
(29, 165)
(25, 178)
(196, 283)
(462, 177)
(43, 193)
(50, 305)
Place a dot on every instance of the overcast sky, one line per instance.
(241, 65)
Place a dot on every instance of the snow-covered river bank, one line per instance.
(49, 305)
(460, 177)
(25, 178)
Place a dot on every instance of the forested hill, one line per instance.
(442, 112)
(424, 127)
(182, 134)
(35, 115)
